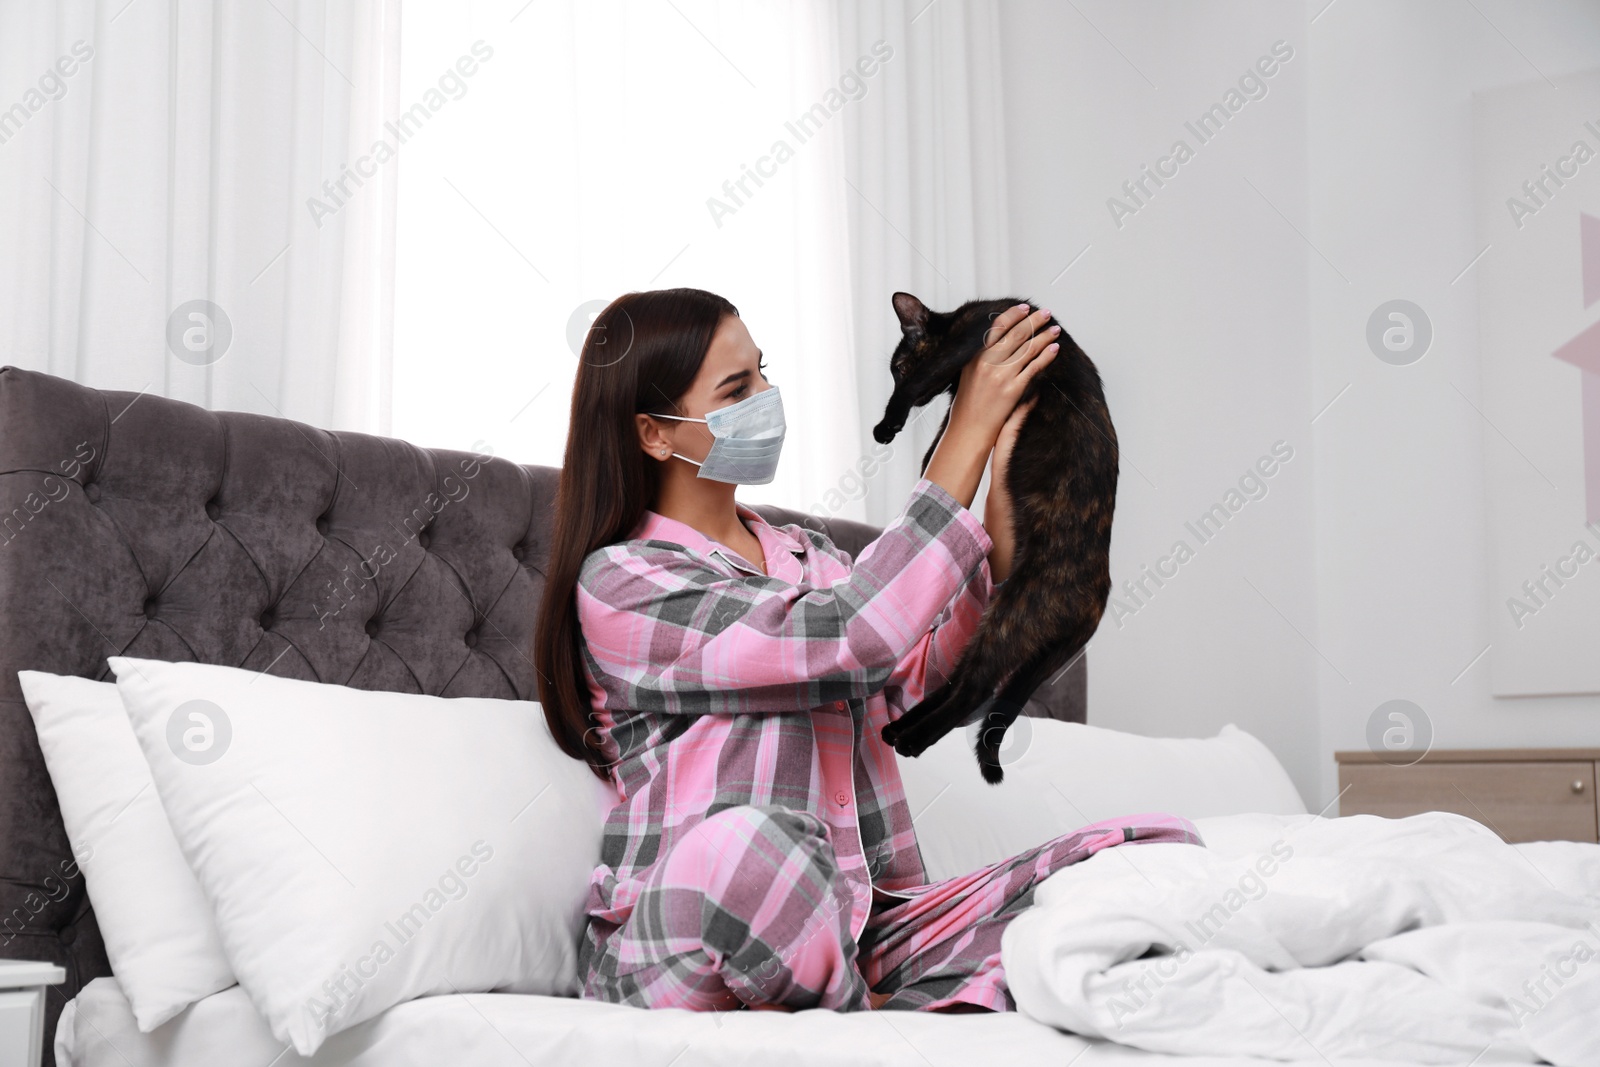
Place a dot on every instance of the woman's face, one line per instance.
(731, 372)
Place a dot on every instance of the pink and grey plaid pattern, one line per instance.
(751, 909)
(716, 687)
(943, 945)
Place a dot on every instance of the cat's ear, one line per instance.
(913, 313)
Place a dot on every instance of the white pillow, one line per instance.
(157, 928)
(1063, 775)
(363, 848)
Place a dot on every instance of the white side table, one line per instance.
(22, 993)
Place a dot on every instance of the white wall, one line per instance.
(1229, 311)
(1196, 312)
(1402, 551)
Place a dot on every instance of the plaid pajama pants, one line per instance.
(751, 910)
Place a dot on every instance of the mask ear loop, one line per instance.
(680, 418)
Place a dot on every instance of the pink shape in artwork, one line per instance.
(1589, 242)
(1591, 444)
(1583, 352)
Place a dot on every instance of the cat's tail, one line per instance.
(1007, 706)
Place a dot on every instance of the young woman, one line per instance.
(731, 678)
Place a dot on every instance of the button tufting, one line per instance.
(150, 607)
(92, 491)
(471, 638)
(323, 525)
(268, 617)
(519, 552)
(213, 509)
(69, 935)
(372, 627)
(424, 539)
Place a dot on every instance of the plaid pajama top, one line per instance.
(713, 685)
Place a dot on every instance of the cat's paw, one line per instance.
(895, 730)
(913, 719)
(910, 749)
(913, 739)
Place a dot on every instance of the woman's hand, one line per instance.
(993, 382)
(997, 507)
(987, 395)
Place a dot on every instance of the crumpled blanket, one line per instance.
(1425, 939)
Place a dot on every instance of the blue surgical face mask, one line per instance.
(747, 438)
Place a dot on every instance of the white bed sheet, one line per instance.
(492, 1030)
(505, 1030)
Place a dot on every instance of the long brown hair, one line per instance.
(641, 354)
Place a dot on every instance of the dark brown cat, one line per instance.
(1063, 481)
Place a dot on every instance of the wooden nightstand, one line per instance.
(22, 992)
(1523, 794)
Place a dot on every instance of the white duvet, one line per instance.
(1426, 939)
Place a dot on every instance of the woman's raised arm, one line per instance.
(669, 633)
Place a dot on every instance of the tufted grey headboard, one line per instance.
(148, 527)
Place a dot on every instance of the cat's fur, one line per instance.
(1063, 481)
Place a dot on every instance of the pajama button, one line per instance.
(842, 798)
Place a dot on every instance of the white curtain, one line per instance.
(589, 152)
(603, 147)
(163, 170)
(251, 206)
(925, 160)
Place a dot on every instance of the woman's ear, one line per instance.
(652, 440)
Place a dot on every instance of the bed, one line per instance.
(150, 527)
(492, 1030)
(143, 527)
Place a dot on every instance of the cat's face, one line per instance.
(934, 347)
